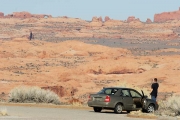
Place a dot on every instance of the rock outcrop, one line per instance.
(166, 16)
(148, 21)
(132, 18)
(1, 15)
(24, 15)
(107, 18)
(96, 19)
(96, 22)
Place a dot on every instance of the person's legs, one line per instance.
(153, 98)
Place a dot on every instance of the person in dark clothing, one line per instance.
(154, 87)
(31, 35)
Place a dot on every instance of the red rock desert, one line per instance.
(75, 57)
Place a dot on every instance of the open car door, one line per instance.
(137, 98)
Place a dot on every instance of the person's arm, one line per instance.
(152, 86)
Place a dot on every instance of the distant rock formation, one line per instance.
(107, 18)
(96, 22)
(24, 15)
(1, 15)
(132, 18)
(166, 16)
(96, 19)
(148, 21)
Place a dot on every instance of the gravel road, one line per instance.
(42, 113)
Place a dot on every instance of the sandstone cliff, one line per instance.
(166, 16)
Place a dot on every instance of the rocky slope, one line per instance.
(75, 69)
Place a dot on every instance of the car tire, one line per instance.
(97, 109)
(118, 108)
(150, 108)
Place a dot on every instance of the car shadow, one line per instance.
(108, 112)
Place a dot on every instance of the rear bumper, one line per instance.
(100, 104)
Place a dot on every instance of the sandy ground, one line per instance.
(54, 112)
(40, 113)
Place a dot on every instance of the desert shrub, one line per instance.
(3, 112)
(26, 94)
(170, 107)
(140, 114)
(76, 102)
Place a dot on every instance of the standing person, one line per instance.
(31, 35)
(154, 87)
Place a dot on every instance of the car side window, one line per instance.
(108, 91)
(125, 93)
(114, 91)
(135, 94)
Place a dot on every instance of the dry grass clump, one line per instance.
(26, 94)
(76, 102)
(3, 112)
(139, 114)
(170, 107)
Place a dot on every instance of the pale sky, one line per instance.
(86, 9)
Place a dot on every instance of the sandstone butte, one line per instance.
(59, 58)
(166, 16)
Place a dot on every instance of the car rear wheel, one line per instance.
(97, 109)
(118, 108)
(150, 108)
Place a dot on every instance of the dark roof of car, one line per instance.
(117, 87)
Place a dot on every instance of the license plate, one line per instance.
(98, 99)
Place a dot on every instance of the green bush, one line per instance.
(26, 94)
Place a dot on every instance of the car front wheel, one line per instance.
(118, 108)
(150, 108)
(97, 109)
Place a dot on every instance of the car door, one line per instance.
(137, 98)
(127, 99)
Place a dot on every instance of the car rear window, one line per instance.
(101, 92)
(108, 91)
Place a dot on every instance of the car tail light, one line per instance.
(107, 99)
(89, 99)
